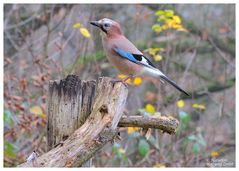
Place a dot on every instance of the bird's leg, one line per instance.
(124, 80)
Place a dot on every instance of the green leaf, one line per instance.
(202, 141)
(185, 143)
(8, 149)
(182, 114)
(119, 155)
(99, 54)
(8, 145)
(8, 122)
(115, 148)
(162, 17)
(184, 117)
(141, 111)
(159, 12)
(198, 129)
(143, 147)
(6, 117)
(196, 148)
(181, 128)
(144, 113)
(10, 153)
(125, 158)
(169, 13)
(192, 137)
(156, 27)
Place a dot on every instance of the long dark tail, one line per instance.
(173, 84)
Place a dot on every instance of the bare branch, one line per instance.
(223, 55)
(166, 124)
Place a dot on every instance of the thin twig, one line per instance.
(222, 54)
(8, 27)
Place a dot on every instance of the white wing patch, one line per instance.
(144, 61)
(152, 72)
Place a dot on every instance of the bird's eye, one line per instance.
(106, 25)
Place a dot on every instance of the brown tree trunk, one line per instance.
(69, 104)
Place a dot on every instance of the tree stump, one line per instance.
(82, 118)
(69, 105)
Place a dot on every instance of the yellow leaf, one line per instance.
(171, 23)
(164, 27)
(158, 58)
(195, 105)
(199, 106)
(159, 165)
(202, 107)
(169, 13)
(182, 29)
(150, 108)
(36, 110)
(156, 28)
(137, 81)
(177, 26)
(130, 130)
(180, 103)
(85, 32)
(177, 19)
(121, 150)
(121, 76)
(159, 12)
(153, 51)
(157, 114)
(162, 17)
(214, 154)
(76, 25)
(168, 20)
(43, 116)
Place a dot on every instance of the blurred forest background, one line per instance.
(193, 44)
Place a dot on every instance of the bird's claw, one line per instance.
(116, 80)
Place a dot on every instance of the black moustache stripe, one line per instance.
(102, 28)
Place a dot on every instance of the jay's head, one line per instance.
(108, 26)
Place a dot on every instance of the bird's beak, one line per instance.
(98, 24)
(95, 23)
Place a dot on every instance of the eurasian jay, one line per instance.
(124, 55)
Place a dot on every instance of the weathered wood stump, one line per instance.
(70, 102)
(95, 108)
(83, 116)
